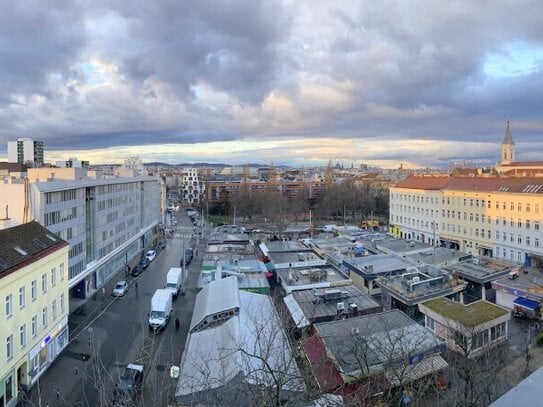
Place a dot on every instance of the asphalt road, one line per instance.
(117, 333)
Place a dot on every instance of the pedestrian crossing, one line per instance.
(182, 236)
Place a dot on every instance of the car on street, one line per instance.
(151, 254)
(188, 255)
(129, 387)
(137, 270)
(120, 289)
(144, 262)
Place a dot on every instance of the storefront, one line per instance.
(43, 354)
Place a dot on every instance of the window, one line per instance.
(527, 224)
(536, 208)
(21, 297)
(34, 326)
(512, 206)
(9, 306)
(536, 225)
(34, 290)
(44, 320)
(519, 223)
(519, 239)
(61, 271)
(429, 323)
(53, 277)
(519, 207)
(527, 207)
(9, 347)
(527, 239)
(22, 335)
(536, 242)
(44, 283)
(54, 309)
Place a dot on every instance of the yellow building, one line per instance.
(485, 216)
(34, 318)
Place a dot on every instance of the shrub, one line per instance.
(539, 339)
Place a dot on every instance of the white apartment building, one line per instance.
(34, 317)
(483, 216)
(107, 221)
(25, 151)
(191, 188)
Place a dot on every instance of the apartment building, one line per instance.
(34, 319)
(484, 216)
(192, 187)
(26, 151)
(107, 221)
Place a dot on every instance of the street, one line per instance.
(108, 333)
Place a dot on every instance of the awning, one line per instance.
(296, 312)
(526, 303)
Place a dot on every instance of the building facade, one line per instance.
(493, 216)
(25, 150)
(108, 222)
(34, 319)
(192, 188)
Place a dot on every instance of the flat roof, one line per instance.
(294, 257)
(400, 245)
(313, 275)
(471, 315)
(377, 264)
(233, 248)
(213, 259)
(432, 283)
(333, 243)
(386, 336)
(438, 256)
(531, 280)
(286, 246)
(314, 304)
(481, 270)
(227, 237)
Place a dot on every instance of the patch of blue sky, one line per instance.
(514, 60)
(93, 75)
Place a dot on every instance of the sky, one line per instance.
(283, 82)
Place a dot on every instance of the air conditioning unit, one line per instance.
(416, 279)
(355, 331)
(353, 307)
(340, 307)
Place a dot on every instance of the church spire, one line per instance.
(508, 137)
(508, 146)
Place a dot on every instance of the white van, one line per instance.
(161, 309)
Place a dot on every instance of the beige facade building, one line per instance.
(34, 317)
(484, 216)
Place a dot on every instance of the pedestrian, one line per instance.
(177, 323)
(58, 394)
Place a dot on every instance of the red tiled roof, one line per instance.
(423, 182)
(524, 164)
(527, 185)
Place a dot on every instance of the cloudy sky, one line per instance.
(284, 82)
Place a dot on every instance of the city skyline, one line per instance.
(289, 83)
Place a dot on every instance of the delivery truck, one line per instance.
(161, 309)
(174, 281)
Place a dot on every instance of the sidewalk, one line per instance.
(71, 366)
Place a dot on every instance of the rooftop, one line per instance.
(438, 256)
(240, 248)
(481, 269)
(421, 284)
(301, 278)
(471, 315)
(381, 338)
(23, 244)
(400, 246)
(322, 303)
(530, 281)
(378, 264)
(285, 246)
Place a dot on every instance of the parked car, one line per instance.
(151, 254)
(137, 270)
(129, 387)
(144, 263)
(120, 289)
(188, 255)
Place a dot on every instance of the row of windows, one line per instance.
(109, 189)
(34, 326)
(63, 196)
(33, 290)
(54, 217)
